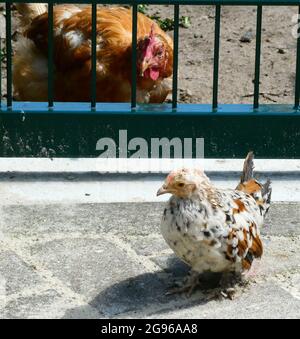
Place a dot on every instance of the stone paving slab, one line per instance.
(136, 219)
(125, 218)
(265, 301)
(48, 304)
(283, 219)
(87, 266)
(16, 274)
(109, 260)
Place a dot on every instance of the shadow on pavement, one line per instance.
(145, 294)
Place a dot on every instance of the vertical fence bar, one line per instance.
(50, 56)
(0, 71)
(94, 57)
(216, 57)
(134, 55)
(297, 85)
(175, 57)
(257, 56)
(8, 54)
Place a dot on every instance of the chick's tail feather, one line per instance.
(248, 172)
(267, 191)
(30, 11)
(248, 168)
(261, 192)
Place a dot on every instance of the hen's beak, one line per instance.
(162, 190)
(145, 66)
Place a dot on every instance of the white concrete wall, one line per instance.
(26, 181)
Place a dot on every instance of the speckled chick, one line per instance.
(213, 229)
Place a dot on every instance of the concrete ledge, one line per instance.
(40, 180)
(84, 165)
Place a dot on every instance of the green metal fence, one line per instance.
(72, 129)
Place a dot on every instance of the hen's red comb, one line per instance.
(150, 42)
(151, 36)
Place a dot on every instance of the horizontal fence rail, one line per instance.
(180, 2)
(13, 112)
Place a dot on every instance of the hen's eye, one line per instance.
(159, 52)
(181, 184)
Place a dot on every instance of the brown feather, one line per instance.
(250, 187)
(246, 252)
(257, 246)
(241, 206)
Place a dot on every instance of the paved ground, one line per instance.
(109, 260)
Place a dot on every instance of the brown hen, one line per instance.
(72, 55)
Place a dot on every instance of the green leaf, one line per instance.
(185, 21)
(143, 8)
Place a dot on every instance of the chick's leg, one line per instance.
(188, 285)
(228, 284)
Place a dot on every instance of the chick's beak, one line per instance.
(162, 190)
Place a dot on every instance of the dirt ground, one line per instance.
(237, 57)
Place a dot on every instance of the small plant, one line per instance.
(166, 24)
(143, 9)
(3, 54)
(185, 22)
